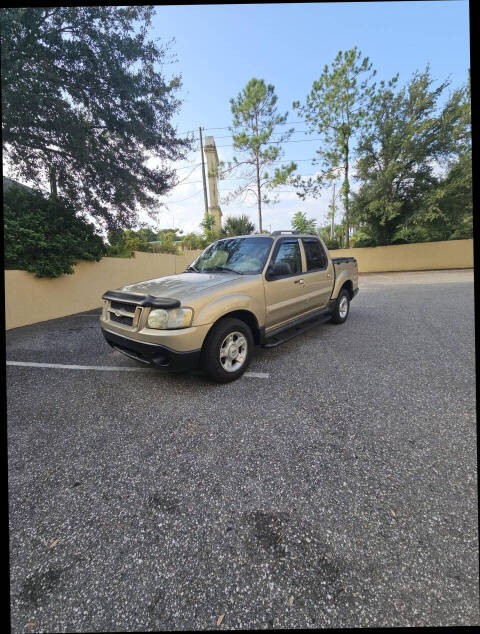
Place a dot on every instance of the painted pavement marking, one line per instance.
(109, 368)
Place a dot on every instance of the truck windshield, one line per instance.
(238, 255)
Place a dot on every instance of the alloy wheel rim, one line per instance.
(233, 351)
(343, 308)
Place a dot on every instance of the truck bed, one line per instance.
(344, 259)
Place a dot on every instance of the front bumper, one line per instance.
(152, 353)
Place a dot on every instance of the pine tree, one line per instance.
(255, 119)
(335, 110)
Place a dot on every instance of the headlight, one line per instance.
(176, 318)
(180, 318)
(157, 318)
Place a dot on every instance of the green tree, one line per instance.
(457, 201)
(44, 236)
(148, 233)
(408, 139)
(115, 236)
(301, 223)
(338, 239)
(208, 228)
(255, 118)
(238, 226)
(335, 110)
(193, 241)
(84, 106)
(135, 241)
(166, 241)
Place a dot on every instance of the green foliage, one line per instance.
(301, 223)
(193, 241)
(148, 234)
(124, 242)
(361, 239)
(333, 243)
(43, 236)
(338, 240)
(401, 198)
(238, 226)
(255, 119)
(208, 228)
(115, 236)
(166, 239)
(135, 241)
(335, 110)
(84, 104)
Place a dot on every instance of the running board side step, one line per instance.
(289, 331)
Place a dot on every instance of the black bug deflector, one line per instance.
(142, 300)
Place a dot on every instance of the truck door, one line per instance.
(319, 276)
(284, 291)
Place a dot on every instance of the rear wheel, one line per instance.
(342, 307)
(227, 350)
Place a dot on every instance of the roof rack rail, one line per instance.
(293, 233)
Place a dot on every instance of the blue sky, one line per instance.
(220, 47)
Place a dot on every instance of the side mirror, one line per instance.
(278, 269)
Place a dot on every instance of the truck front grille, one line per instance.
(123, 313)
(121, 319)
(129, 308)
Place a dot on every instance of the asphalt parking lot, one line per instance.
(334, 486)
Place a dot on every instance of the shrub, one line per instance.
(44, 236)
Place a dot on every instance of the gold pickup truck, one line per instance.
(260, 289)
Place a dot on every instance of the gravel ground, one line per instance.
(340, 491)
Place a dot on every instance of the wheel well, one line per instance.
(246, 316)
(349, 286)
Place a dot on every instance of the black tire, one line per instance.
(210, 359)
(337, 318)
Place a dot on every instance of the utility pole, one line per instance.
(205, 199)
(332, 230)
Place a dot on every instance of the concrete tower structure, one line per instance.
(212, 166)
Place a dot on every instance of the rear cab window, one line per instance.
(288, 254)
(315, 254)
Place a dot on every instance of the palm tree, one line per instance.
(238, 226)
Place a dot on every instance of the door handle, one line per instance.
(299, 282)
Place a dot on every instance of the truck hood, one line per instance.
(181, 287)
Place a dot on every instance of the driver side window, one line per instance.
(289, 258)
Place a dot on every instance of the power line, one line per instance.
(239, 178)
(186, 167)
(293, 141)
(249, 136)
(227, 127)
(281, 142)
(170, 202)
(194, 165)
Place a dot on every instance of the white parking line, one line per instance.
(257, 375)
(109, 368)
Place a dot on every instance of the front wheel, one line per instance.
(227, 350)
(342, 307)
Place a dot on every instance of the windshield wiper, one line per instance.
(225, 268)
(192, 268)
